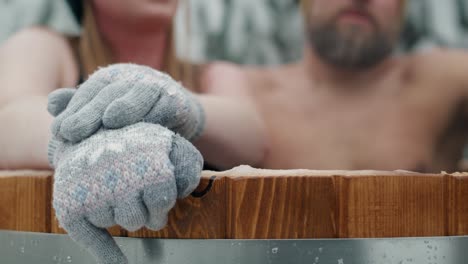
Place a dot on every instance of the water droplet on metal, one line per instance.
(340, 261)
(69, 259)
(274, 250)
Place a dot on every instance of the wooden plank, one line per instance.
(247, 203)
(457, 207)
(281, 207)
(198, 218)
(25, 199)
(391, 206)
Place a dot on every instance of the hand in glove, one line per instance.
(129, 177)
(124, 94)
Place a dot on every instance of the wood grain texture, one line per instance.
(25, 199)
(281, 207)
(391, 206)
(278, 204)
(457, 204)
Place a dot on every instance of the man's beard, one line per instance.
(350, 50)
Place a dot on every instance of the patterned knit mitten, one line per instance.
(129, 177)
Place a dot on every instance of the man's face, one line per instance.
(353, 34)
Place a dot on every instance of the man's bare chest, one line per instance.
(396, 133)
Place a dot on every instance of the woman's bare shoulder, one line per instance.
(42, 51)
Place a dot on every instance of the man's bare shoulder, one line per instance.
(448, 65)
(228, 78)
(440, 73)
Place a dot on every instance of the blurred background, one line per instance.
(260, 32)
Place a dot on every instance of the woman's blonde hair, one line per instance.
(304, 7)
(94, 52)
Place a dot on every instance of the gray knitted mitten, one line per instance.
(124, 94)
(129, 177)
